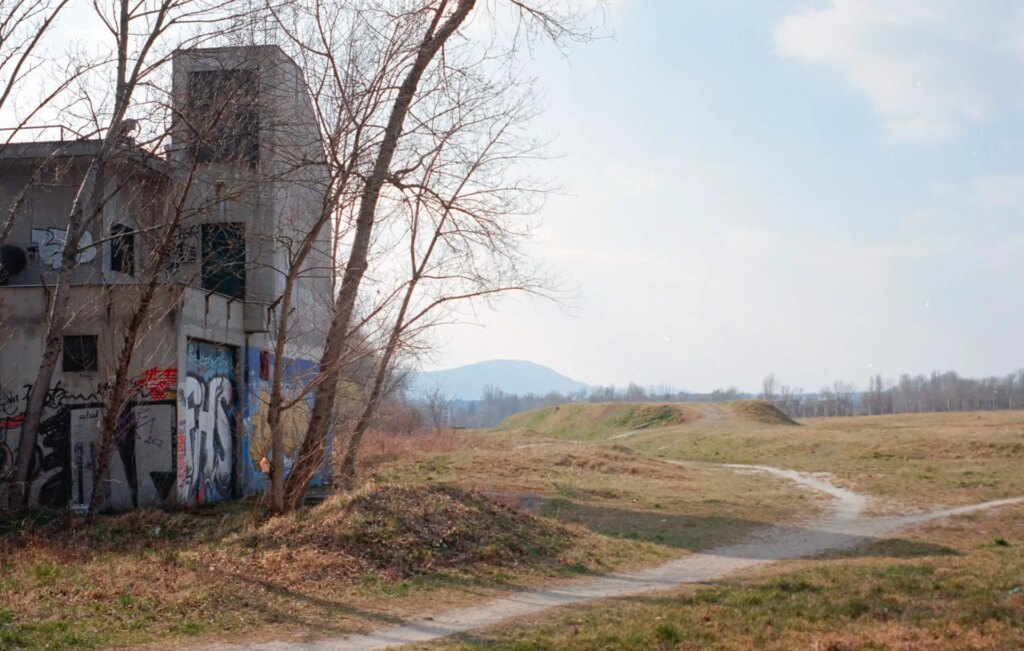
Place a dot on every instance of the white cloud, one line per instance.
(928, 68)
(1001, 191)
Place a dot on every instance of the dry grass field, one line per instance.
(441, 519)
(953, 584)
(446, 520)
(905, 461)
(959, 588)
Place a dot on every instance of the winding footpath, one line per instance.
(841, 528)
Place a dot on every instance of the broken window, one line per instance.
(224, 259)
(222, 115)
(122, 249)
(80, 354)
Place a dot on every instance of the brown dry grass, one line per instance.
(613, 503)
(907, 461)
(340, 567)
(953, 585)
(380, 448)
(344, 567)
(611, 489)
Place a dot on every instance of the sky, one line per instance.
(819, 189)
(824, 190)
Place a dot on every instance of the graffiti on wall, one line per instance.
(158, 383)
(49, 243)
(206, 440)
(298, 376)
(50, 463)
(293, 424)
(141, 470)
(60, 471)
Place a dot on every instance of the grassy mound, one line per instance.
(595, 421)
(152, 574)
(589, 421)
(761, 412)
(404, 530)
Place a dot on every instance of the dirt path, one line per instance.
(842, 527)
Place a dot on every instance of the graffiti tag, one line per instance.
(50, 244)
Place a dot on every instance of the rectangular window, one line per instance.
(222, 115)
(79, 354)
(122, 249)
(224, 259)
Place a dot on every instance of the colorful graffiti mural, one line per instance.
(61, 468)
(206, 440)
(189, 440)
(158, 383)
(298, 376)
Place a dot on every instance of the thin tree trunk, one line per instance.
(315, 442)
(118, 398)
(348, 463)
(110, 429)
(89, 196)
(55, 321)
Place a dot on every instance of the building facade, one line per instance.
(241, 181)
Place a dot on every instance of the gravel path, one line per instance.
(842, 527)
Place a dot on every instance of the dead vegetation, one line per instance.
(150, 574)
(960, 587)
(449, 518)
(616, 460)
(759, 411)
(405, 530)
(594, 421)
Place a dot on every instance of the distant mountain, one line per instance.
(511, 376)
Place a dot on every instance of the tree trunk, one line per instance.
(56, 318)
(348, 463)
(315, 442)
(90, 195)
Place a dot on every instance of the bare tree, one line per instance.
(136, 30)
(23, 25)
(463, 203)
(768, 388)
(432, 25)
(438, 408)
(441, 22)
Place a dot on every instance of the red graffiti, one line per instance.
(159, 383)
(12, 422)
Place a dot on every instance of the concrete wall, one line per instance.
(197, 418)
(44, 191)
(280, 196)
(143, 464)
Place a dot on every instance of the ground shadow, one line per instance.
(731, 537)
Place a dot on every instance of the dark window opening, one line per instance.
(224, 259)
(122, 249)
(79, 354)
(222, 115)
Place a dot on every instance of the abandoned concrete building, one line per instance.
(241, 189)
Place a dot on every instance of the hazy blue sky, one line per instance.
(823, 189)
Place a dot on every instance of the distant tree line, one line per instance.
(495, 405)
(938, 392)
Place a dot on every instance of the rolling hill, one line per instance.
(511, 376)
